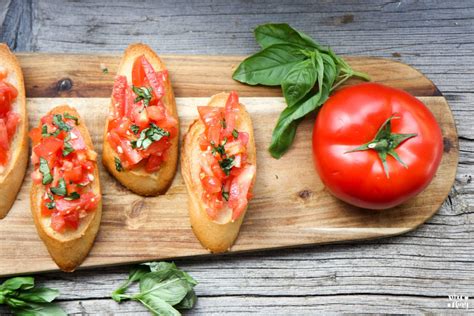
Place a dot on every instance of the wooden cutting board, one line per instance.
(291, 207)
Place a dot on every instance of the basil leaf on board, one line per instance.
(319, 69)
(269, 66)
(299, 81)
(279, 33)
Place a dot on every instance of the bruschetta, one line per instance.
(218, 164)
(13, 129)
(65, 194)
(141, 132)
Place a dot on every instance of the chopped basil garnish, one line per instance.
(58, 121)
(149, 135)
(143, 93)
(60, 189)
(225, 195)
(45, 171)
(71, 117)
(52, 204)
(67, 148)
(223, 123)
(118, 164)
(73, 196)
(226, 165)
(135, 129)
(44, 131)
(235, 133)
(105, 70)
(220, 148)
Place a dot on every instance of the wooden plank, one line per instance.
(58, 75)
(287, 202)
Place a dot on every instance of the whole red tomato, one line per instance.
(375, 146)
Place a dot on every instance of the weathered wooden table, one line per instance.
(411, 273)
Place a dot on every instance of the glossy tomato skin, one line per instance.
(350, 118)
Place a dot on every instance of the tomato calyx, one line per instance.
(385, 142)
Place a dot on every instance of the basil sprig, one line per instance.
(306, 71)
(163, 288)
(23, 298)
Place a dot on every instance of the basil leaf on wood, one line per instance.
(269, 66)
(158, 306)
(281, 33)
(299, 81)
(162, 285)
(20, 295)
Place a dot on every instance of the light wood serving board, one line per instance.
(290, 208)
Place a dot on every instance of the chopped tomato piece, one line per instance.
(8, 93)
(48, 147)
(211, 184)
(239, 189)
(119, 95)
(58, 223)
(153, 163)
(3, 136)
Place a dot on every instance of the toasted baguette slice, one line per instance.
(11, 177)
(138, 180)
(68, 249)
(216, 236)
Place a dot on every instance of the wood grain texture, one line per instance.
(412, 273)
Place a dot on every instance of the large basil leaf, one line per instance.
(171, 290)
(279, 33)
(299, 81)
(34, 309)
(269, 66)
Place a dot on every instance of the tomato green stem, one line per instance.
(384, 143)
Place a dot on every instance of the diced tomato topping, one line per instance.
(134, 113)
(70, 166)
(226, 176)
(8, 119)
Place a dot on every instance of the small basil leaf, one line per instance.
(35, 309)
(39, 295)
(279, 33)
(73, 196)
(67, 149)
(284, 132)
(299, 81)
(269, 66)
(171, 290)
(188, 301)
(18, 283)
(157, 306)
